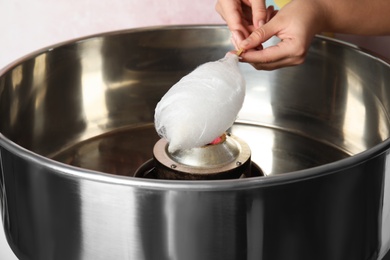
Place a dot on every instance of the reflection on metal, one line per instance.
(40, 89)
(261, 143)
(355, 111)
(93, 84)
(2, 190)
(17, 77)
(385, 236)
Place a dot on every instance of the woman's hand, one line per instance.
(294, 31)
(244, 16)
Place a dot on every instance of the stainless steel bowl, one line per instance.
(77, 122)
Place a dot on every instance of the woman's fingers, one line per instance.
(259, 12)
(291, 49)
(231, 11)
(294, 40)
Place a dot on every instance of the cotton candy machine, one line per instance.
(302, 174)
(226, 158)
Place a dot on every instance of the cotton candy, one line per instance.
(202, 105)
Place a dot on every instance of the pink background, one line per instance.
(28, 25)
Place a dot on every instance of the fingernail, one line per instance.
(237, 35)
(261, 23)
(234, 42)
(245, 43)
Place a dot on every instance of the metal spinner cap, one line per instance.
(228, 158)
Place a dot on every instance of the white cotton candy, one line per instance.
(202, 105)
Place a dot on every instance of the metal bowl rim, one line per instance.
(69, 171)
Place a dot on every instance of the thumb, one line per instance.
(258, 36)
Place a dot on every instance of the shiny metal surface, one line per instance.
(76, 122)
(229, 158)
(230, 150)
(210, 156)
